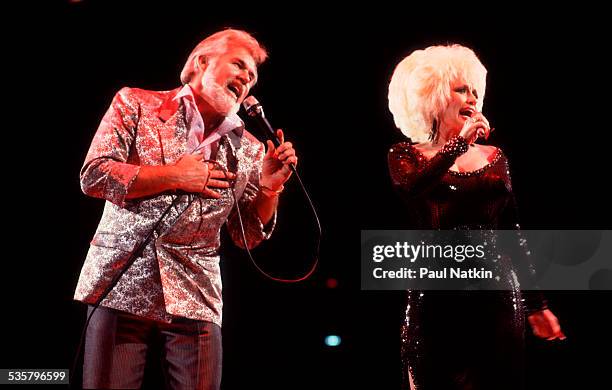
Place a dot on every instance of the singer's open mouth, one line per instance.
(234, 89)
(466, 112)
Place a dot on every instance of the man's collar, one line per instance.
(169, 107)
(234, 123)
(186, 91)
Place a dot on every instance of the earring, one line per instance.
(433, 134)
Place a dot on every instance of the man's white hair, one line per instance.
(216, 44)
(420, 88)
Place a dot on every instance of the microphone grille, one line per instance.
(249, 102)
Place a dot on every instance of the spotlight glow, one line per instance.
(332, 340)
(331, 283)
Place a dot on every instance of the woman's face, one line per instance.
(462, 105)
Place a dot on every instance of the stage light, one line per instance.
(331, 283)
(332, 340)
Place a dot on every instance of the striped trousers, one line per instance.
(116, 348)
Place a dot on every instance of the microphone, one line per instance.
(254, 110)
(480, 132)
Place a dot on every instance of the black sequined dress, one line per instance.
(462, 339)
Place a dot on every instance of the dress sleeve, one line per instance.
(254, 230)
(413, 175)
(533, 299)
(106, 172)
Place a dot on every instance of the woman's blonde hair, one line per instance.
(420, 88)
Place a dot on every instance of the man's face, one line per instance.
(227, 80)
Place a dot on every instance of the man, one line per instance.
(166, 162)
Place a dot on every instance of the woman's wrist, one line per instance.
(455, 146)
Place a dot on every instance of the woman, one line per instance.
(458, 340)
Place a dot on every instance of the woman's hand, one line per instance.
(276, 170)
(545, 325)
(475, 127)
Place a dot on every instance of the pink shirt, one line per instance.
(195, 125)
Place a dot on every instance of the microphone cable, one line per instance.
(254, 110)
(315, 262)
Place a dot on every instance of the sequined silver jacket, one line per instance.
(177, 273)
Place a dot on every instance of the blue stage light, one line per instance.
(332, 340)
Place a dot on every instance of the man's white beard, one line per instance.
(218, 97)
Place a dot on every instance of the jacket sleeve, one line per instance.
(254, 230)
(412, 175)
(106, 172)
(533, 299)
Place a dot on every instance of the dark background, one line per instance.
(325, 84)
